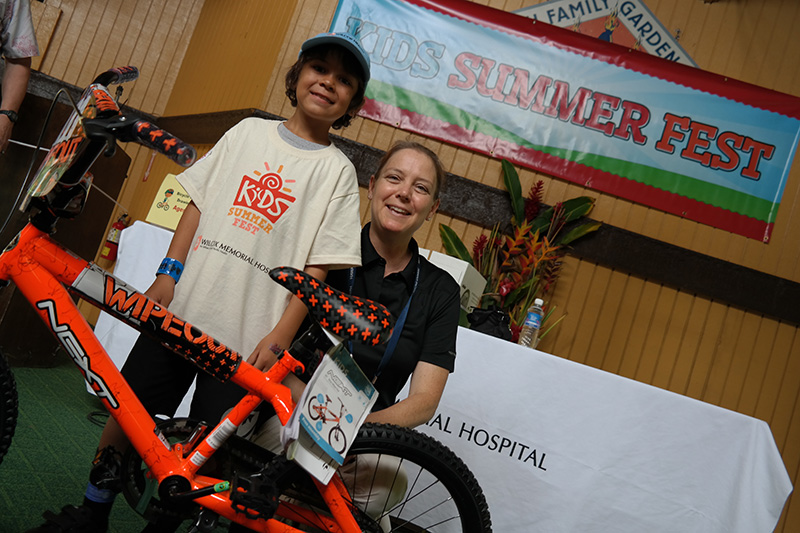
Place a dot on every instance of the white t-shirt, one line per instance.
(263, 204)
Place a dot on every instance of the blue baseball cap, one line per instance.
(345, 40)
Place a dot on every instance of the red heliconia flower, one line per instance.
(533, 202)
(478, 247)
(515, 330)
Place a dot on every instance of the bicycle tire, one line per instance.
(9, 405)
(337, 439)
(452, 500)
(314, 409)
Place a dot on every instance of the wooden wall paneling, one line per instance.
(575, 330)
(368, 129)
(628, 290)
(45, 18)
(58, 49)
(274, 98)
(639, 311)
(701, 239)
(692, 19)
(99, 43)
(559, 340)
(610, 314)
(741, 352)
(87, 15)
(728, 43)
(790, 451)
(708, 351)
(788, 397)
(689, 344)
(725, 348)
(175, 47)
(364, 206)
(671, 14)
(643, 317)
(151, 51)
(656, 335)
(775, 373)
(757, 362)
(129, 22)
(759, 22)
(775, 30)
(782, 66)
(786, 254)
(677, 306)
(111, 40)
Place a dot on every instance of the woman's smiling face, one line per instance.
(403, 192)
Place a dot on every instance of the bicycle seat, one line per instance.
(349, 317)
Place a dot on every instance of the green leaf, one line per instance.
(575, 208)
(580, 231)
(453, 244)
(511, 180)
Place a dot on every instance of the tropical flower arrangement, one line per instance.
(521, 259)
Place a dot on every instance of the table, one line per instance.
(562, 447)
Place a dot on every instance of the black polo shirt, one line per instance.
(430, 330)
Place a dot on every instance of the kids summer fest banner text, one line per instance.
(667, 135)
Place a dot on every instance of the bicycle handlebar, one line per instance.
(132, 129)
(164, 142)
(117, 75)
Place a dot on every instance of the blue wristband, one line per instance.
(171, 267)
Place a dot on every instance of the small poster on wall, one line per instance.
(168, 204)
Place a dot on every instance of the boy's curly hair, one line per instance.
(350, 64)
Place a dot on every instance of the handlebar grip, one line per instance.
(117, 75)
(164, 142)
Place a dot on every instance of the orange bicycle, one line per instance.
(168, 470)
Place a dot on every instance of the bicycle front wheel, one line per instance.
(403, 481)
(8, 406)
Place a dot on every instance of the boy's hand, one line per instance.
(266, 352)
(162, 290)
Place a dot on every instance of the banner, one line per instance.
(629, 23)
(688, 142)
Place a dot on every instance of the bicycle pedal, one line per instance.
(255, 496)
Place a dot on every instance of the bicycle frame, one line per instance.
(41, 269)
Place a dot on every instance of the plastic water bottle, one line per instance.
(529, 333)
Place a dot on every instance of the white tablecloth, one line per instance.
(562, 447)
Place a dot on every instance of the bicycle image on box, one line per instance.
(182, 468)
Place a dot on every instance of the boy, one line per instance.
(268, 194)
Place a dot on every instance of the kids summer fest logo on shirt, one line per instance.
(261, 200)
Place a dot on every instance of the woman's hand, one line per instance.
(162, 290)
(425, 391)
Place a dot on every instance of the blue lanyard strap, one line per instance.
(398, 326)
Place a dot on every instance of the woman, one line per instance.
(404, 193)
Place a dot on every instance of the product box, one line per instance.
(471, 282)
(168, 204)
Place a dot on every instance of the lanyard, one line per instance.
(398, 326)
